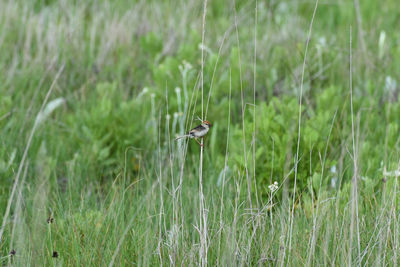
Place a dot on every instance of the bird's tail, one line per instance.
(182, 136)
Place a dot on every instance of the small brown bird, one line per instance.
(198, 131)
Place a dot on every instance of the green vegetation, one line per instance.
(93, 93)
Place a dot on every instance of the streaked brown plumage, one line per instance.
(198, 131)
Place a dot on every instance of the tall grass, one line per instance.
(99, 180)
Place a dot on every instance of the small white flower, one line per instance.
(143, 92)
(168, 117)
(153, 95)
(333, 169)
(184, 67)
(187, 65)
(270, 187)
(176, 114)
(273, 187)
(177, 90)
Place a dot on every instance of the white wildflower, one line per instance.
(333, 169)
(143, 92)
(273, 187)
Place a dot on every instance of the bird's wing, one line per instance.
(197, 128)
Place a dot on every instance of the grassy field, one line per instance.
(300, 167)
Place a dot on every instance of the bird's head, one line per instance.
(207, 123)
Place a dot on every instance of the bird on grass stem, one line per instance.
(197, 132)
